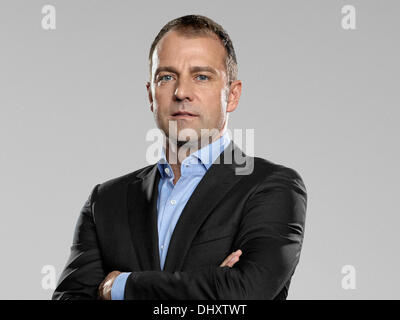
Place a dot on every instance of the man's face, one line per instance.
(189, 76)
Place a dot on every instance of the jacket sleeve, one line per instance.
(84, 271)
(270, 235)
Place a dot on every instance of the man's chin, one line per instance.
(181, 143)
(184, 142)
(192, 138)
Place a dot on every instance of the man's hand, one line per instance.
(104, 291)
(231, 259)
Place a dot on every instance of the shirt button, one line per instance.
(162, 246)
(173, 202)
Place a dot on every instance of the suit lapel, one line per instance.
(142, 217)
(220, 178)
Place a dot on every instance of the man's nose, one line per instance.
(183, 90)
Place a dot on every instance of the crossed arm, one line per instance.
(104, 292)
(270, 236)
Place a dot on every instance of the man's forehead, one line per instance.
(189, 35)
(202, 49)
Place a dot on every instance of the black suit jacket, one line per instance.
(261, 213)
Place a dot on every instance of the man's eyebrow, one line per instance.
(166, 68)
(205, 68)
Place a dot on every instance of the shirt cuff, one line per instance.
(118, 287)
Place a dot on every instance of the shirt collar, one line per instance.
(206, 155)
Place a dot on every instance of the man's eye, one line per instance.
(202, 77)
(166, 77)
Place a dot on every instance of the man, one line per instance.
(191, 226)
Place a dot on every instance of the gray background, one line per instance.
(322, 100)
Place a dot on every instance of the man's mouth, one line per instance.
(183, 114)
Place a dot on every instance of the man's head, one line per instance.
(193, 69)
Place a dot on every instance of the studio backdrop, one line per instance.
(320, 92)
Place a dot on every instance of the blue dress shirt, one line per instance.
(172, 198)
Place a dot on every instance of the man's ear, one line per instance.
(235, 90)
(149, 94)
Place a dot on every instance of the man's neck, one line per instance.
(177, 152)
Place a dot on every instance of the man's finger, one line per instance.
(228, 258)
(231, 262)
(231, 259)
(234, 259)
